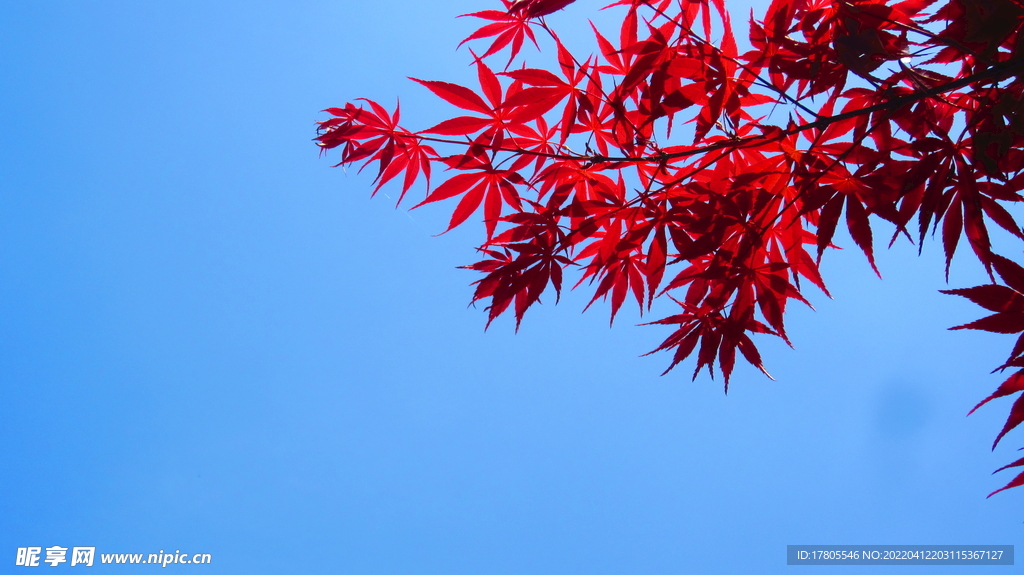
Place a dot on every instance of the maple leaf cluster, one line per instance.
(671, 163)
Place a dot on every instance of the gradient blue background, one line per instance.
(212, 341)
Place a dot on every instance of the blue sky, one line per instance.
(212, 341)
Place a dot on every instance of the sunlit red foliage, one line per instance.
(674, 163)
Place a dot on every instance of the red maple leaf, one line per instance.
(670, 164)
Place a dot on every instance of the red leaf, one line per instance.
(1000, 216)
(1017, 463)
(460, 126)
(469, 204)
(457, 95)
(1016, 416)
(1004, 322)
(827, 222)
(1017, 482)
(991, 297)
(1011, 273)
(489, 83)
(458, 184)
(860, 229)
(509, 29)
(1012, 385)
(951, 227)
(537, 8)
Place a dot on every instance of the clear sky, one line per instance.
(211, 341)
